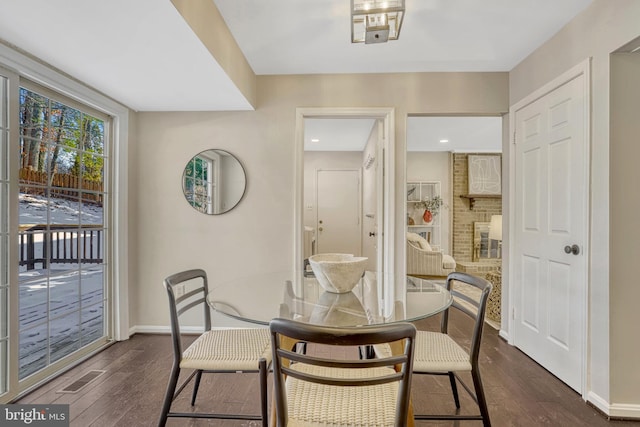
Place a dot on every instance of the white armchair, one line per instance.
(422, 260)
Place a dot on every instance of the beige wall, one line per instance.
(257, 235)
(601, 29)
(624, 292)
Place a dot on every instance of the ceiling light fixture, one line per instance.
(444, 141)
(315, 140)
(376, 21)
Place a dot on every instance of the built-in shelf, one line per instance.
(472, 197)
(418, 191)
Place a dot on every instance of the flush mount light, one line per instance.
(444, 141)
(376, 21)
(315, 140)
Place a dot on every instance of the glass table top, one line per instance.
(376, 299)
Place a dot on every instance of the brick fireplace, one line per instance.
(466, 212)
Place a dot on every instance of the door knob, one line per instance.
(573, 249)
(320, 229)
(372, 233)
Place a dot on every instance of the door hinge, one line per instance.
(513, 313)
(514, 137)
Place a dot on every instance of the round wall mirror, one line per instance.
(214, 182)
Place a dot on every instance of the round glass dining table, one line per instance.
(376, 299)
(297, 295)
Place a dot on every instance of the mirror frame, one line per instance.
(223, 153)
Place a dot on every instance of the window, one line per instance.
(200, 187)
(63, 233)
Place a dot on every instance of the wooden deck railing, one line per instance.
(61, 244)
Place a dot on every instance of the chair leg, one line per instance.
(482, 401)
(262, 367)
(168, 397)
(367, 352)
(301, 348)
(454, 389)
(196, 385)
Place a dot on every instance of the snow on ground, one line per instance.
(70, 327)
(61, 308)
(33, 210)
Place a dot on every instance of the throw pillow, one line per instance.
(419, 241)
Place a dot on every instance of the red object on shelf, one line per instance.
(427, 216)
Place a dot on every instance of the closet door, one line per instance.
(552, 188)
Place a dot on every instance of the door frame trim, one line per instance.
(386, 114)
(583, 68)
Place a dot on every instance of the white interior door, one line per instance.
(550, 230)
(380, 195)
(372, 199)
(339, 229)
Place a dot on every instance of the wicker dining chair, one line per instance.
(315, 390)
(215, 351)
(438, 354)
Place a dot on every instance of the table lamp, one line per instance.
(495, 231)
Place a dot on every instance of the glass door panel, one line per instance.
(62, 231)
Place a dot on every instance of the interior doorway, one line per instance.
(438, 150)
(375, 159)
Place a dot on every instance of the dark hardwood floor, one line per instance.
(130, 392)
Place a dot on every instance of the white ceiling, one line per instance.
(337, 134)
(144, 55)
(464, 134)
(424, 133)
(312, 37)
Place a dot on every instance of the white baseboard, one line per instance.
(614, 410)
(146, 329)
(622, 410)
(504, 334)
(152, 329)
(598, 402)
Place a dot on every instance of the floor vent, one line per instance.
(81, 382)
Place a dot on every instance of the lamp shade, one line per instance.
(495, 228)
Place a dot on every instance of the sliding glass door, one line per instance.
(63, 233)
(55, 236)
